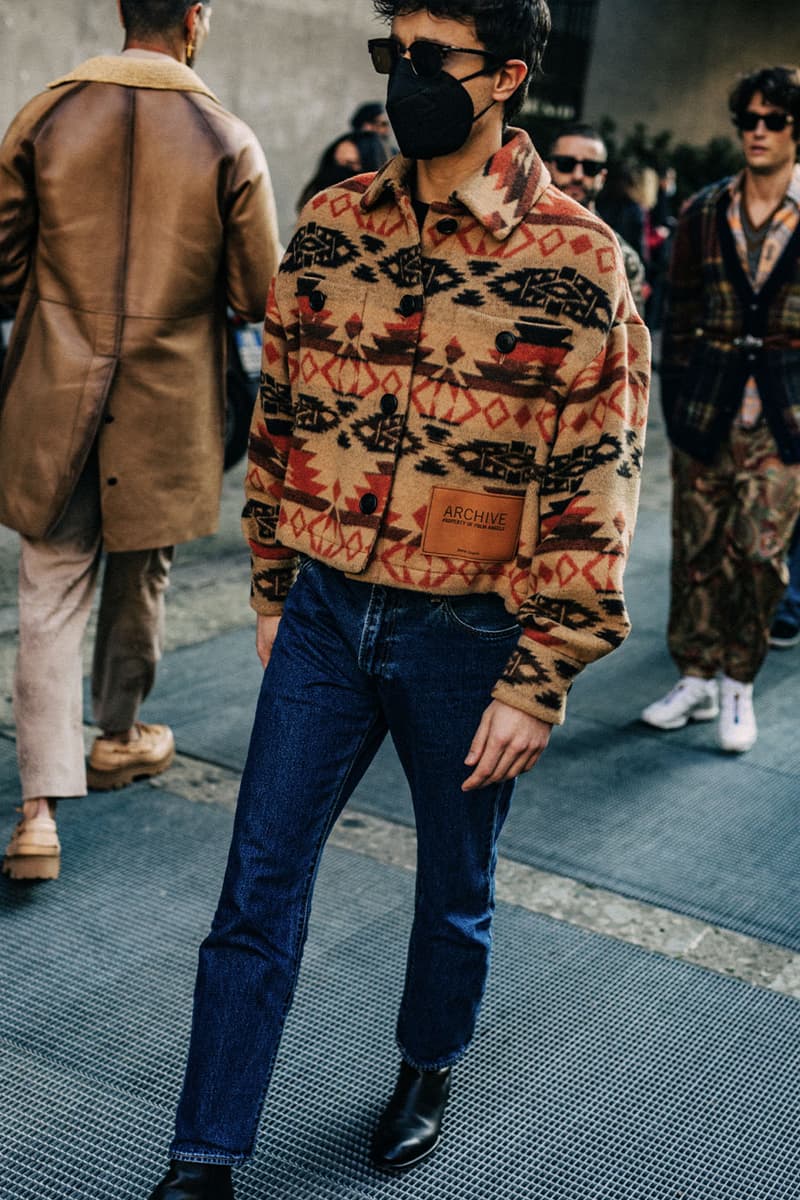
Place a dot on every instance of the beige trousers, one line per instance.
(57, 581)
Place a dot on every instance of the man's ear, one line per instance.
(508, 78)
(191, 20)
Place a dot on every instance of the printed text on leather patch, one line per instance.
(472, 525)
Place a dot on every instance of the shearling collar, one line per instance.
(132, 71)
(499, 195)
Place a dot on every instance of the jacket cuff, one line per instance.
(266, 608)
(270, 583)
(537, 680)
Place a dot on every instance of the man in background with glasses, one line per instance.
(731, 393)
(577, 163)
(441, 494)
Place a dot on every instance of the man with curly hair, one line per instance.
(731, 393)
(441, 493)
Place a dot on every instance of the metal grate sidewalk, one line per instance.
(601, 1072)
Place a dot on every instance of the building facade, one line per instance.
(296, 69)
(671, 64)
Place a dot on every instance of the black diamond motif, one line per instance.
(560, 292)
(470, 298)
(439, 276)
(365, 273)
(482, 266)
(276, 398)
(512, 463)
(404, 267)
(379, 434)
(561, 611)
(317, 246)
(265, 517)
(372, 244)
(438, 434)
(566, 472)
(312, 416)
(431, 466)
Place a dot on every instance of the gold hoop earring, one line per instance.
(190, 49)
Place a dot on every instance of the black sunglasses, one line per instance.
(427, 58)
(565, 164)
(775, 122)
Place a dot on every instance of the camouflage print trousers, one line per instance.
(732, 522)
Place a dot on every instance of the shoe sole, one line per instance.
(109, 781)
(737, 749)
(32, 866)
(681, 722)
(784, 643)
(397, 1168)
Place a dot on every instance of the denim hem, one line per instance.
(221, 1159)
(449, 1060)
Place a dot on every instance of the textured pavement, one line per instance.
(668, 956)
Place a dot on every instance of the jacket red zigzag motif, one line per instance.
(498, 351)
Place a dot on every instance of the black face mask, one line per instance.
(430, 117)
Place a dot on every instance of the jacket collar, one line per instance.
(499, 195)
(132, 71)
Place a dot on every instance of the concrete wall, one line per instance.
(293, 69)
(296, 69)
(671, 64)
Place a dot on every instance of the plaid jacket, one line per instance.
(498, 354)
(720, 331)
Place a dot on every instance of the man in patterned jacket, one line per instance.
(441, 493)
(731, 392)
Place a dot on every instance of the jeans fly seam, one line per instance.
(369, 623)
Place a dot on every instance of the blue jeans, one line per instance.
(351, 661)
(789, 607)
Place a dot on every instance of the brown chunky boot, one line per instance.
(114, 763)
(34, 851)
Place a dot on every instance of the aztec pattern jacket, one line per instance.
(457, 409)
(720, 331)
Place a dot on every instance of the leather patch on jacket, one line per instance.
(475, 525)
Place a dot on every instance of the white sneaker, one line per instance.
(691, 699)
(737, 721)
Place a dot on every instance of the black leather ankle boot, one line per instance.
(410, 1125)
(195, 1181)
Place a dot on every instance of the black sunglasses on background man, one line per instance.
(566, 164)
(775, 122)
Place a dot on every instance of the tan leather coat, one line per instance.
(133, 207)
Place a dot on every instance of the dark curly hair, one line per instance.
(507, 29)
(153, 16)
(778, 85)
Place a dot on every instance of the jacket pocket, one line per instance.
(483, 615)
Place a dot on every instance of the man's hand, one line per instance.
(266, 631)
(507, 743)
